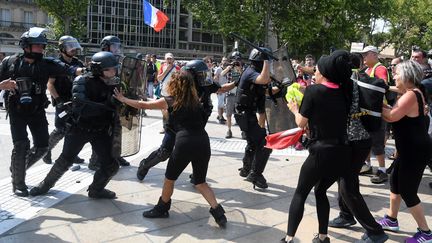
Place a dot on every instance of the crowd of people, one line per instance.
(87, 101)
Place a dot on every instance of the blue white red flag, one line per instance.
(154, 17)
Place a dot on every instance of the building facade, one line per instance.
(182, 35)
(16, 17)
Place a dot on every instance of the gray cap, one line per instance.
(369, 48)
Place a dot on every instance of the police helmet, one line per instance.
(67, 43)
(258, 56)
(108, 41)
(235, 55)
(34, 35)
(199, 70)
(101, 61)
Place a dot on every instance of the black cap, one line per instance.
(336, 67)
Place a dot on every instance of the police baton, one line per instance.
(235, 35)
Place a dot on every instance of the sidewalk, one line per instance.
(253, 216)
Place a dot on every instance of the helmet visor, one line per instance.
(115, 48)
(203, 79)
(72, 45)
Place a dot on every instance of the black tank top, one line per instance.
(411, 134)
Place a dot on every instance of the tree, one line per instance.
(67, 15)
(225, 16)
(311, 26)
(411, 25)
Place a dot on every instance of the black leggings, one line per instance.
(406, 177)
(325, 163)
(190, 146)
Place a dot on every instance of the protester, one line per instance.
(187, 119)
(410, 124)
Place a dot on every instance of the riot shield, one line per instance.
(133, 83)
(279, 117)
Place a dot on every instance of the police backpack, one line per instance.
(371, 96)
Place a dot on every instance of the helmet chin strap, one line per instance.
(70, 56)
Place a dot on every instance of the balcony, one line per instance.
(15, 26)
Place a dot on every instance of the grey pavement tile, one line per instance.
(101, 229)
(134, 238)
(66, 213)
(207, 230)
(52, 234)
(136, 223)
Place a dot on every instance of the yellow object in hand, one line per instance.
(293, 93)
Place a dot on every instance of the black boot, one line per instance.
(47, 158)
(142, 170)
(78, 160)
(247, 161)
(100, 180)
(157, 156)
(218, 214)
(122, 162)
(54, 138)
(160, 210)
(258, 166)
(18, 168)
(57, 170)
(34, 155)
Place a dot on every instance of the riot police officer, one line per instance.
(111, 44)
(26, 104)
(249, 92)
(93, 113)
(205, 88)
(60, 89)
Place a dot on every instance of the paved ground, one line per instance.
(66, 214)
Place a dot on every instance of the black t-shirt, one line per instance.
(185, 118)
(151, 71)
(326, 110)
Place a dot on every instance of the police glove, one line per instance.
(264, 56)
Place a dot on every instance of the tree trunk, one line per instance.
(67, 23)
(224, 46)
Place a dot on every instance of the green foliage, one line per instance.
(411, 25)
(225, 16)
(67, 15)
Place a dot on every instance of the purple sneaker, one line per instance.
(419, 237)
(388, 224)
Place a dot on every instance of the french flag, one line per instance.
(284, 139)
(154, 17)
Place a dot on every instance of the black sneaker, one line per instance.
(316, 239)
(78, 160)
(341, 222)
(379, 177)
(373, 238)
(228, 134)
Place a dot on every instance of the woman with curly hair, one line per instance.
(187, 120)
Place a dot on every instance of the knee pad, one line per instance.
(112, 168)
(164, 153)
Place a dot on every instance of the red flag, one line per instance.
(284, 139)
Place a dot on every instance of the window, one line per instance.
(184, 21)
(196, 24)
(5, 17)
(28, 19)
(196, 36)
(183, 35)
(206, 37)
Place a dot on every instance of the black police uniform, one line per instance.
(63, 86)
(93, 113)
(247, 99)
(31, 114)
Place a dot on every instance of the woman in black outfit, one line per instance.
(324, 112)
(187, 119)
(410, 124)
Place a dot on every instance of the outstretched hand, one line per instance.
(8, 84)
(118, 95)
